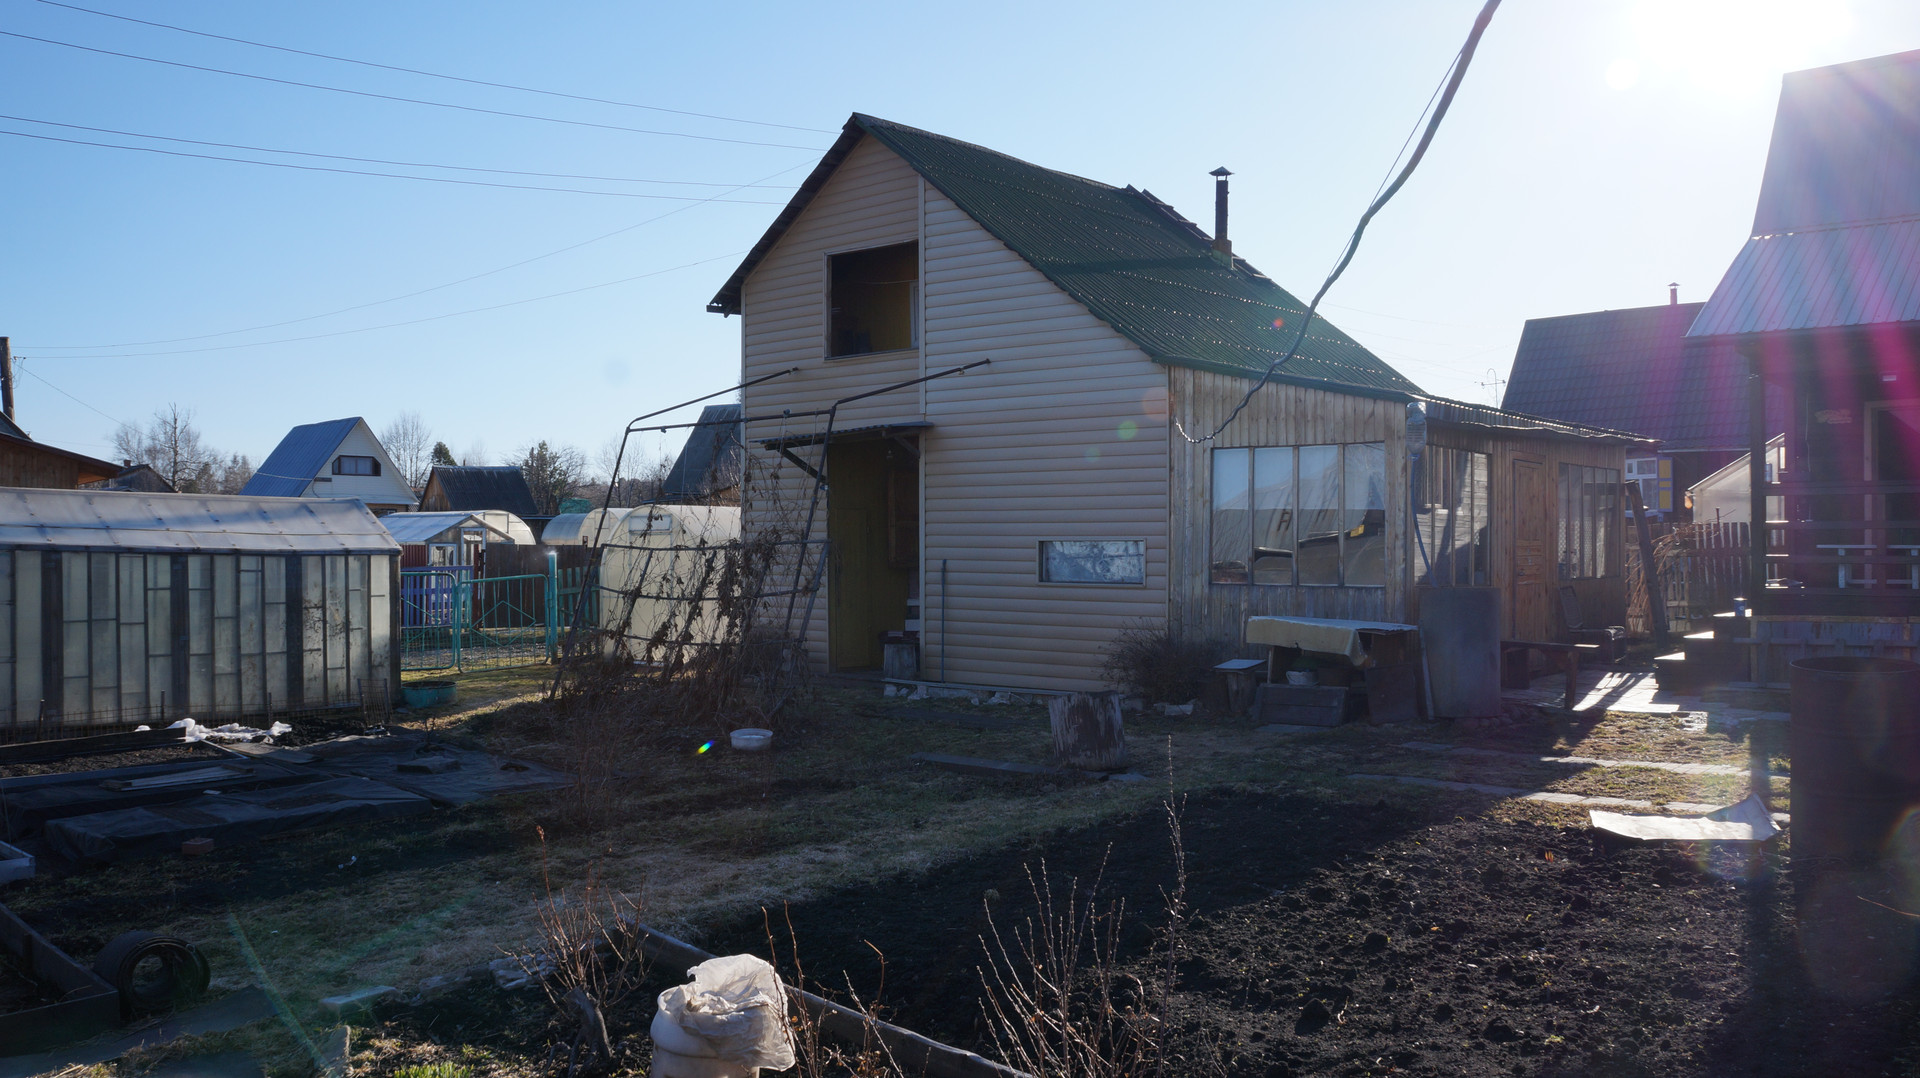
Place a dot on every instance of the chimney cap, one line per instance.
(1221, 172)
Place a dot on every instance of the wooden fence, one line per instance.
(1701, 568)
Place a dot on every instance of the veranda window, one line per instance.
(1311, 515)
(1452, 518)
(1589, 504)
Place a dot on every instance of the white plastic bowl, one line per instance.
(752, 739)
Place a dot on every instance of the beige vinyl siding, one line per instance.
(1028, 448)
(872, 201)
(1278, 415)
(387, 488)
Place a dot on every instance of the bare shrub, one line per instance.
(587, 961)
(1161, 663)
(1059, 1001)
(816, 1055)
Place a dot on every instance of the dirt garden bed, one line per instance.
(1339, 926)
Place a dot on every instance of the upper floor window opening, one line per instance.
(344, 465)
(873, 300)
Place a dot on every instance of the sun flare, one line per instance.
(1730, 47)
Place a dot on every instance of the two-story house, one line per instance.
(1130, 455)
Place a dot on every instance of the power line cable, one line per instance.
(407, 100)
(1458, 71)
(423, 291)
(31, 373)
(438, 75)
(383, 175)
(410, 321)
(368, 160)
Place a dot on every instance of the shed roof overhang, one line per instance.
(869, 433)
(1442, 412)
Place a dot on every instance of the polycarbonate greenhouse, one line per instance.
(119, 609)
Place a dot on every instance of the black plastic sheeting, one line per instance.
(444, 774)
(229, 818)
(31, 802)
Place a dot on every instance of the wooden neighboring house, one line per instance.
(1823, 302)
(136, 479)
(1634, 369)
(1024, 514)
(708, 469)
(27, 463)
(339, 458)
(465, 488)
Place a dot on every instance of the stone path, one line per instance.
(1634, 692)
(1577, 761)
(1684, 808)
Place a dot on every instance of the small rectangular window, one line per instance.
(1093, 561)
(873, 300)
(356, 466)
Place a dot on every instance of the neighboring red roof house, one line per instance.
(1824, 302)
(1633, 370)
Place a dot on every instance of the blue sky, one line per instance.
(1597, 151)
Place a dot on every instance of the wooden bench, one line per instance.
(1516, 664)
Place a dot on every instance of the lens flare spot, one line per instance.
(1128, 429)
(703, 748)
(1092, 453)
(1279, 323)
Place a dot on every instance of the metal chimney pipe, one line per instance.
(1673, 294)
(1220, 241)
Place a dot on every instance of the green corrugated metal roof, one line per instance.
(1123, 254)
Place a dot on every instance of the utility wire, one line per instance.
(1458, 72)
(410, 321)
(435, 74)
(367, 160)
(382, 175)
(407, 100)
(31, 373)
(422, 291)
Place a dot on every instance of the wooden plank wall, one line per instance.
(104, 637)
(1279, 415)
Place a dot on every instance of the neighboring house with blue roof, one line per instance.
(338, 458)
(1022, 515)
(1823, 301)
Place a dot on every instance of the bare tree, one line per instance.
(553, 473)
(641, 477)
(410, 444)
(171, 444)
(475, 455)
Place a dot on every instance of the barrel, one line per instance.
(1855, 743)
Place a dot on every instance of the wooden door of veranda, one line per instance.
(1530, 579)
